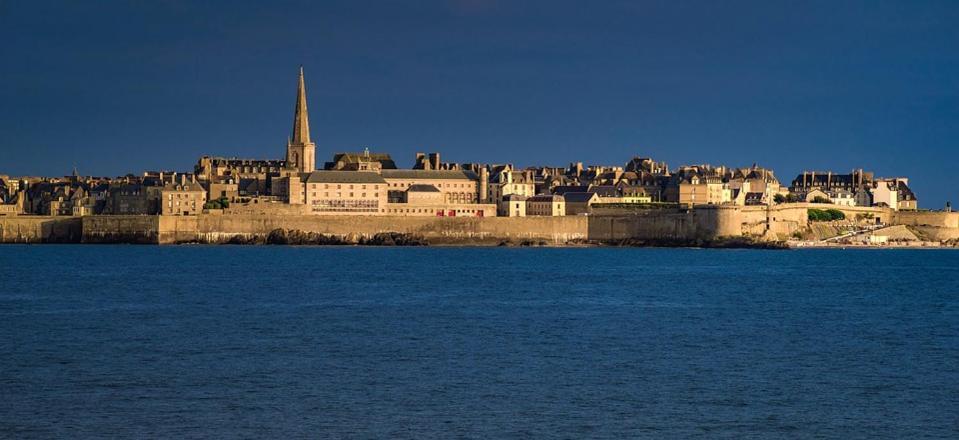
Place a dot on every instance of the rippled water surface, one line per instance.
(126, 341)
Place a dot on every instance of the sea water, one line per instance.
(351, 342)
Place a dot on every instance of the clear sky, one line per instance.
(117, 87)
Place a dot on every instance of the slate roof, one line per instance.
(343, 177)
(546, 198)
(604, 191)
(579, 197)
(754, 198)
(905, 193)
(515, 198)
(188, 187)
(421, 187)
(563, 189)
(386, 162)
(429, 174)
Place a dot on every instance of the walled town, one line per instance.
(643, 201)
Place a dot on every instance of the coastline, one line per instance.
(699, 227)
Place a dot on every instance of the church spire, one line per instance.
(301, 120)
(300, 150)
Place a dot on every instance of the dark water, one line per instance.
(125, 341)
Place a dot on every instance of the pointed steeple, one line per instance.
(300, 150)
(301, 120)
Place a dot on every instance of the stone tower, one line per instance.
(300, 151)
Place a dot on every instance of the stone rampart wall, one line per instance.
(702, 223)
(927, 218)
(121, 229)
(40, 229)
(437, 229)
(663, 224)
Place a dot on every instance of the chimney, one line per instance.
(435, 161)
(483, 185)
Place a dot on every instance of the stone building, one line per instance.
(130, 199)
(578, 203)
(456, 186)
(344, 192)
(210, 168)
(424, 194)
(512, 205)
(364, 161)
(185, 197)
(546, 205)
(866, 189)
(503, 181)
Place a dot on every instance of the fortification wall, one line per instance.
(121, 229)
(437, 229)
(927, 218)
(40, 229)
(179, 229)
(705, 223)
(702, 223)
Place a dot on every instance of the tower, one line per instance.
(300, 151)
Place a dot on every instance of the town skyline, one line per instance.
(829, 102)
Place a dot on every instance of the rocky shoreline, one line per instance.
(295, 237)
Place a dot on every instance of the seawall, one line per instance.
(694, 225)
(491, 230)
(671, 225)
(40, 229)
(612, 225)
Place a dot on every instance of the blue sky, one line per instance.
(117, 87)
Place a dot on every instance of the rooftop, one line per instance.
(343, 177)
(422, 188)
(429, 174)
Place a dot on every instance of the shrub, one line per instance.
(220, 203)
(835, 214)
(825, 215)
(787, 198)
(821, 199)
